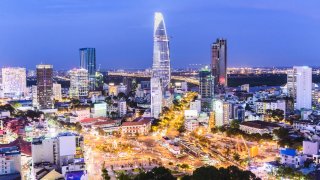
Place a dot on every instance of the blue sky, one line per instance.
(259, 32)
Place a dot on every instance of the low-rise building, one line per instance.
(310, 147)
(289, 157)
(63, 152)
(258, 127)
(141, 126)
(191, 124)
(5, 114)
(10, 160)
(99, 110)
(196, 105)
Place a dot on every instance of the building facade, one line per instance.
(88, 62)
(206, 89)
(161, 56)
(45, 86)
(156, 97)
(219, 62)
(78, 83)
(10, 160)
(304, 87)
(14, 82)
(57, 93)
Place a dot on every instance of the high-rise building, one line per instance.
(57, 94)
(34, 92)
(222, 112)
(14, 83)
(78, 83)
(219, 62)
(301, 90)
(88, 62)
(206, 89)
(45, 86)
(161, 55)
(122, 108)
(291, 86)
(299, 86)
(156, 97)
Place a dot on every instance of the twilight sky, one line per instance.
(259, 32)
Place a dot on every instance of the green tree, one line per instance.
(281, 133)
(235, 124)
(16, 105)
(122, 95)
(114, 115)
(182, 129)
(78, 126)
(123, 176)
(157, 173)
(184, 166)
(206, 172)
(104, 173)
(230, 173)
(100, 131)
(236, 156)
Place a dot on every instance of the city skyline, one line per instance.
(251, 45)
(162, 90)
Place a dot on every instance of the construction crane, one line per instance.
(248, 150)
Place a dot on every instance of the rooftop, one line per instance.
(259, 124)
(138, 121)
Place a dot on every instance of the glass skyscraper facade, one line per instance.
(206, 89)
(88, 62)
(161, 55)
(219, 62)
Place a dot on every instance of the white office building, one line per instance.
(304, 87)
(60, 152)
(99, 110)
(57, 93)
(196, 105)
(122, 108)
(299, 85)
(14, 82)
(34, 92)
(79, 83)
(222, 112)
(156, 97)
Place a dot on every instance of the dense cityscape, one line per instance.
(206, 121)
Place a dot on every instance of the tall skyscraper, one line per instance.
(14, 82)
(299, 84)
(206, 89)
(78, 83)
(88, 62)
(156, 97)
(219, 62)
(161, 55)
(45, 86)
